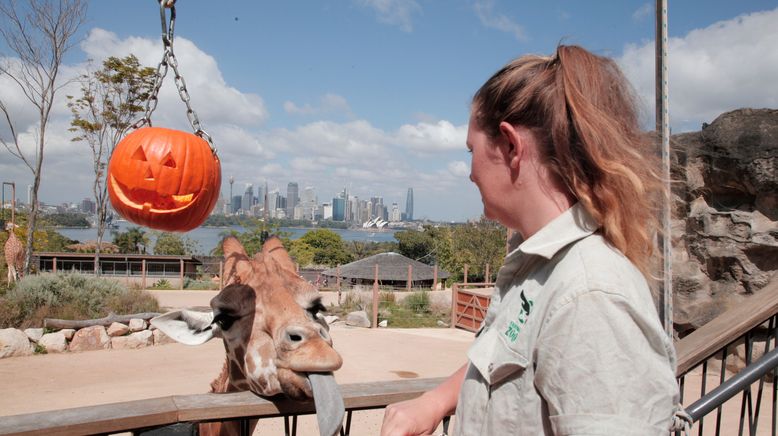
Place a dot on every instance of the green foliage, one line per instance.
(255, 234)
(328, 247)
(362, 249)
(40, 349)
(175, 244)
(417, 245)
(418, 302)
(65, 220)
(162, 284)
(69, 296)
(199, 285)
(133, 241)
(301, 252)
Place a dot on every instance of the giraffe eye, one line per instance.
(224, 321)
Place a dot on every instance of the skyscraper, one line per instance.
(409, 205)
(292, 198)
(248, 198)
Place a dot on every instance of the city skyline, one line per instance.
(374, 96)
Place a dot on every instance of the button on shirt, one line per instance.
(571, 343)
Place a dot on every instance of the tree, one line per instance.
(417, 245)
(328, 247)
(257, 231)
(39, 33)
(175, 244)
(111, 99)
(133, 241)
(474, 244)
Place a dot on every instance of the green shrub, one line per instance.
(69, 296)
(418, 302)
(162, 284)
(199, 284)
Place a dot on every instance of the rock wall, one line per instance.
(725, 229)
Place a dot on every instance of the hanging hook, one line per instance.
(167, 31)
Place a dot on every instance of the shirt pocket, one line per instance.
(495, 357)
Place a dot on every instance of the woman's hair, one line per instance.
(582, 111)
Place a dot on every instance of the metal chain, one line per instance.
(169, 60)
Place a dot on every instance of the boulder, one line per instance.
(137, 324)
(725, 227)
(54, 342)
(330, 319)
(90, 338)
(161, 338)
(34, 334)
(68, 333)
(118, 329)
(14, 342)
(358, 319)
(383, 323)
(134, 340)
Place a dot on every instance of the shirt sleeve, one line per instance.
(605, 367)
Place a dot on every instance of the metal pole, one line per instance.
(663, 129)
(737, 383)
(375, 298)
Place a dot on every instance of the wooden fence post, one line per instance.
(374, 324)
(487, 275)
(54, 264)
(337, 281)
(435, 277)
(143, 273)
(410, 277)
(221, 274)
(181, 275)
(454, 291)
(465, 273)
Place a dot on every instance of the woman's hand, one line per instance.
(419, 416)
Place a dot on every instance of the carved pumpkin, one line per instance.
(164, 179)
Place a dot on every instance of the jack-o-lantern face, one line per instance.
(164, 179)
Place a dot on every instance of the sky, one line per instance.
(373, 95)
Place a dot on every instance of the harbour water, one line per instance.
(209, 237)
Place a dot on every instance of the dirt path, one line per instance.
(56, 381)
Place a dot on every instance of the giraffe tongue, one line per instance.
(330, 409)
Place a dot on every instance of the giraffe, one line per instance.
(275, 337)
(14, 254)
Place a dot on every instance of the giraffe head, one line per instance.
(269, 319)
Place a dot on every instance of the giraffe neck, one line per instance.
(223, 384)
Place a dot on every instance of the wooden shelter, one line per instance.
(393, 270)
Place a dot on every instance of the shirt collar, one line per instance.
(573, 224)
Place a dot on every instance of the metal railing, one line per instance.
(731, 343)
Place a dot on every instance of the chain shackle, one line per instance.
(169, 60)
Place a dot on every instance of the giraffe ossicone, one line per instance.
(275, 336)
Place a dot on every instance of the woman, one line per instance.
(571, 343)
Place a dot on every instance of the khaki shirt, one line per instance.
(571, 343)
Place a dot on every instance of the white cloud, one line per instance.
(489, 18)
(394, 12)
(725, 66)
(328, 104)
(459, 168)
(644, 11)
(427, 137)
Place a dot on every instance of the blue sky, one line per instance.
(373, 94)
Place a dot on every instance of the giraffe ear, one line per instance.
(231, 245)
(274, 248)
(237, 268)
(186, 326)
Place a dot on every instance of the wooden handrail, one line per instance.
(726, 328)
(129, 415)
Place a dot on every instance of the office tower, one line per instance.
(87, 205)
(338, 209)
(409, 205)
(326, 211)
(248, 198)
(395, 216)
(266, 207)
(236, 204)
(292, 198)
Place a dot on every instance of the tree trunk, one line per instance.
(32, 221)
(106, 321)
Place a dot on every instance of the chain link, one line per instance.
(169, 60)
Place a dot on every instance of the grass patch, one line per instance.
(161, 284)
(69, 296)
(416, 310)
(200, 285)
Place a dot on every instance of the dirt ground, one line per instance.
(57, 381)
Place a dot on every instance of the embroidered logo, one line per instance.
(514, 327)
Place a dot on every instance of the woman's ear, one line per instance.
(515, 143)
